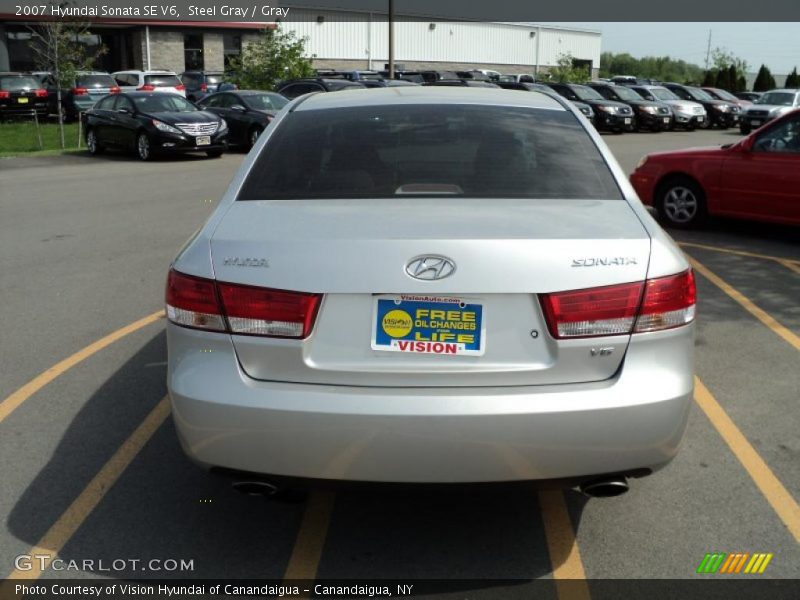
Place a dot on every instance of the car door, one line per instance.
(100, 119)
(125, 123)
(237, 116)
(764, 180)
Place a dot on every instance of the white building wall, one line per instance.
(363, 36)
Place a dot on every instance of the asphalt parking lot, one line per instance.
(91, 467)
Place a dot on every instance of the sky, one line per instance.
(775, 44)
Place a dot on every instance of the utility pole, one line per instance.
(391, 39)
(708, 50)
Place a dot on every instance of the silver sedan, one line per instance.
(431, 285)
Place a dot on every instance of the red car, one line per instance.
(757, 178)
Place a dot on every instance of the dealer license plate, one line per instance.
(22, 100)
(627, 121)
(755, 123)
(204, 140)
(666, 120)
(428, 325)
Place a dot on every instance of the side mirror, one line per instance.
(238, 108)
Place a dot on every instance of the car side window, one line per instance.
(605, 92)
(123, 102)
(681, 93)
(212, 102)
(106, 103)
(227, 100)
(784, 137)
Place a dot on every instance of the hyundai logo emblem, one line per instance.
(430, 267)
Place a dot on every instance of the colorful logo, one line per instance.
(736, 562)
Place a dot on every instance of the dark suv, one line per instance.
(655, 116)
(21, 95)
(200, 83)
(608, 114)
(297, 87)
(720, 112)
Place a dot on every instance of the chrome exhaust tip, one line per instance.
(255, 488)
(605, 488)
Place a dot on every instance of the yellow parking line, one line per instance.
(792, 338)
(12, 402)
(307, 552)
(565, 557)
(71, 519)
(789, 263)
(779, 498)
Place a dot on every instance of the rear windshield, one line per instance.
(96, 81)
(19, 83)
(162, 80)
(463, 150)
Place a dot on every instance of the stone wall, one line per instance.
(166, 50)
(213, 51)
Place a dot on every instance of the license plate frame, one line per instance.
(430, 325)
(203, 140)
(628, 121)
(23, 100)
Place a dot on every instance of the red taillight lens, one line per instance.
(668, 302)
(607, 310)
(40, 93)
(637, 307)
(261, 311)
(203, 87)
(192, 302)
(206, 304)
(146, 88)
(180, 87)
(79, 91)
(114, 90)
(4, 94)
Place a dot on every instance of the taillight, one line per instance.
(261, 311)
(147, 87)
(192, 302)
(41, 93)
(668, 302)
(240, 309)
(114, 90)
(203, 87)
(4, 94)
(79, 91)
(180, 87)
(637, 307)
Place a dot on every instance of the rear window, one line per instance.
(19, 83)
(96, 81)
(162, 80)
(463, 150)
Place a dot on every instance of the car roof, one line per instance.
(792, 90)
(429, 95)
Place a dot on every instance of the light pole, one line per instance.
(391, 39)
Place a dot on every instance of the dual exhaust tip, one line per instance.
(598, 488)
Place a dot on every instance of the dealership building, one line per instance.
(336, 39)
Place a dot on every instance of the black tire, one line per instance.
(252, 136)
(214, 153)
(681, 203)
(144, 149)
(92, 145)
(744, 130)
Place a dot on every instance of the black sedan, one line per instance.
(247, 112)
(609, 114)
(152, 123)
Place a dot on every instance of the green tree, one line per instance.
(733, 78)
(723, 80)
(661, 68)
(275, 56)
(764, 80)
(57, 48)
(565, 70)
(710, 79)
(793, 80)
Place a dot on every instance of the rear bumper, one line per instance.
(22, 110)
(431, 435)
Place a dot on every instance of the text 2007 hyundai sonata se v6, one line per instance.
(431, 285)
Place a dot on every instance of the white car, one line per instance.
(149, 81)
(431, 285)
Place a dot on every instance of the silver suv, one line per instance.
(688, 114)
(769, 106)
(150, 81)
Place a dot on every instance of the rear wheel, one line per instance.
(144, 149)
(681, 203)
(92, 144)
